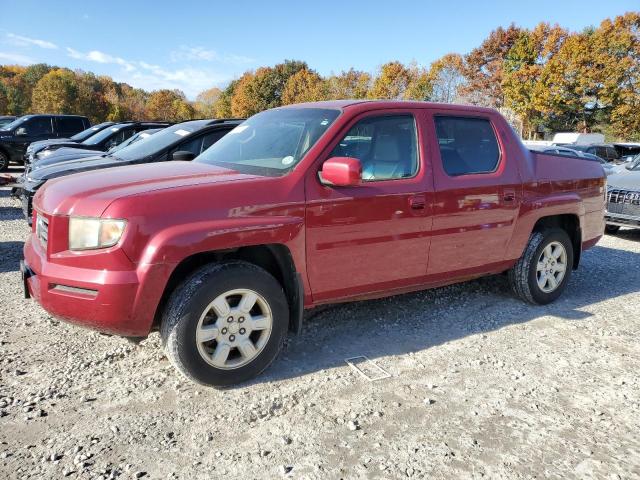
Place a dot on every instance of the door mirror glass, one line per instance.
(21, 132)
(341, 172)
(183, 156)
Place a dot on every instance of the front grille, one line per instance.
(625, 202)
(42, 230)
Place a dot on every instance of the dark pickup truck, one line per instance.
(302, 206)
(16, 136)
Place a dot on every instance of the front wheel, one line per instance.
(611, 229)
(4, 161)
(225, 324)
(543, 271)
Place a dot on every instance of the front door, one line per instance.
(33, 130)
(375, 236)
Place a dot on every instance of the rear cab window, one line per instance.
(468, 145)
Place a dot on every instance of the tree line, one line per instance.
(546, 79)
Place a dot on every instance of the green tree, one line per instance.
(222, 106)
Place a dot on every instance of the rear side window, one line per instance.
(70, 125)
(467, 145)
(386, 147)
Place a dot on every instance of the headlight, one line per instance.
(89, 233)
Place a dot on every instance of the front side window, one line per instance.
(386, 147)
(467, 145)
(271, 142)
(38, 126)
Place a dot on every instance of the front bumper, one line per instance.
(111, 301)
(622, 220)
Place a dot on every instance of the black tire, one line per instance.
(4, 161)
(523, 275)
(189, 301)
(611, 229)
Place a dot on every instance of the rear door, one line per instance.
(375, 236)
(477, 194)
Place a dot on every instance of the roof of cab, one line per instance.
(384, 104)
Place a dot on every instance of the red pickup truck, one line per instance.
(301, 206)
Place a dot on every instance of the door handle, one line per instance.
(509, 196)
(417, 202)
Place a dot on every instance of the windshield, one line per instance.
(159, 141)
(271, 142)
(83, 135)
(102, 135)
(137, 137)
(15, 123)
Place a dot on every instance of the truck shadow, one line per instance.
(419, 321)
(10, 212)
(11, 254)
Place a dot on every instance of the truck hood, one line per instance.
(90, 193)
(624, 179)
(68, 161)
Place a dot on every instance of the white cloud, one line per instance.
(20, 41)
(186, 53)
(16, 58)
(153, 77)
(100, 57)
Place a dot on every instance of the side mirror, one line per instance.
(21, 132)
(183, 156)
(341, 171)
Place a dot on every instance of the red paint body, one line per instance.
(374, 239)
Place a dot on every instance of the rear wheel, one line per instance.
(225, 324)
(4, 161)
(611, 229)
(544, 269)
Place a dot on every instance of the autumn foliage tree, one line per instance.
(304, 86)
(56, 92)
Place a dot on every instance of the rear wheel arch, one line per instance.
(276, 259)
(568, 222)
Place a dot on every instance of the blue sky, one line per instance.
(196, 45)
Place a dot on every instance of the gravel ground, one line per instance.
(481, 385)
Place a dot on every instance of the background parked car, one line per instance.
(183, 141)
(66, 154)
(4, 119)
(36, 147)
(623, 197)
(104, 139)
(603, 150)
(16, 136)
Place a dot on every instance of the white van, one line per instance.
(574, 138)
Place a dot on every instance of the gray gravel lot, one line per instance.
(482, 385)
